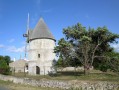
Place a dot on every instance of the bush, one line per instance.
(4, 68)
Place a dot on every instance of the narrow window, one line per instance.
(27, 67)
(38, 55)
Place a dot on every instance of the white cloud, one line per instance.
(14, 49)
(2, 46)
(11, 40)
(116, 47)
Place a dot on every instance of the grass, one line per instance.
(94, 75)
(12, 86)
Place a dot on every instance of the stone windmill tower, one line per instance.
(41, 49)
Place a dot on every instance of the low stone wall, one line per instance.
(72, 68)
(41, 83)
(76, 85)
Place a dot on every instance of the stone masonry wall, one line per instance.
(77, 85)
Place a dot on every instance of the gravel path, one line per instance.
(3, 88)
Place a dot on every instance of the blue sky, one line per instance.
(58, 14)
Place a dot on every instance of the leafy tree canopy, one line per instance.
(85, 45)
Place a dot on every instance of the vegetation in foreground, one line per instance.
(12, 86)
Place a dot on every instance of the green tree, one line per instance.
(1, 57)
(60, 62)
(7, 59)
(4, 64)
(63, 51)
(4, 68)
(85, 45)
(113, 61)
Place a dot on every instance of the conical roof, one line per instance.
(41, 31)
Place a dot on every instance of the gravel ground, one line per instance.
(3, 88)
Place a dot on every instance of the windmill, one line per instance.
(27, 36)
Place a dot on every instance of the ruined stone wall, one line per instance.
(76, 85)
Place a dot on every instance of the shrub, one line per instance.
(4, 68)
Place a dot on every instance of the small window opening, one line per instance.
(27, 67)
(38, 55)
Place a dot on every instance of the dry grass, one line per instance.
(95, 75)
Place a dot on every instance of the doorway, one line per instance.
(37, 70)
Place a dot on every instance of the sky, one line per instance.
(57, 14)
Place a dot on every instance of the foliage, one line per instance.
(4, 68)
(63, 51)
(60, 62)
(73, 62)
(85, 45)
(113, 61)
(7, 59)
(4, 64)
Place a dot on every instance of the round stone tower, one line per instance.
(41, 45)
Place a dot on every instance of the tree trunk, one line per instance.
(75, 71)
(86, 70)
